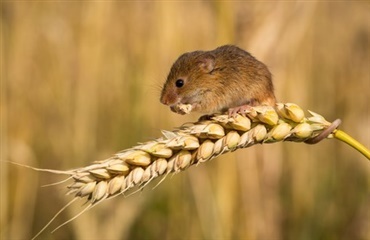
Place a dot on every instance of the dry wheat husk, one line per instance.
(188, 145)
(194, 143)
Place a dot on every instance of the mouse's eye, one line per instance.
(179, 83)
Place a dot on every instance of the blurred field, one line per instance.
(81, 81)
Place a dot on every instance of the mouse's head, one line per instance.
(189, 79)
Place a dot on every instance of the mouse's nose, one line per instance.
(168, 99)
(164, 100)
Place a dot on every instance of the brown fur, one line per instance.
(217, 80)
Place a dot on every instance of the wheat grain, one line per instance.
(191, 144)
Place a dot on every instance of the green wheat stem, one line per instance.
(344, 137)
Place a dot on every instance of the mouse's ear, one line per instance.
(206, 62)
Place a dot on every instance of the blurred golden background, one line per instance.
(81, 81)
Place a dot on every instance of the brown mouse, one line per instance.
(224, 79)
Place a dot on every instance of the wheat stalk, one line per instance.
(193, 144)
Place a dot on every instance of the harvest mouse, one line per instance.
(224, 79)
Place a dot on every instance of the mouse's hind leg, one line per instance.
(242, 108)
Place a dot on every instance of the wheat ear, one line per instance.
(192, 144)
